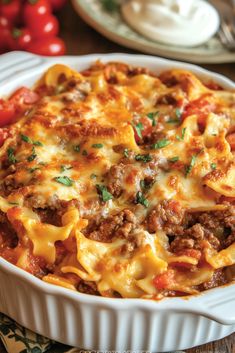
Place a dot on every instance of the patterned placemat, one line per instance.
(17, 339)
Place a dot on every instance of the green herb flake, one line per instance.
(11, 155)
(37, 143)
(138, 128)
(103, 192)
(143, 158)
(141, 199)
(93, 176)
(97, 145)
(32, 156)
(76, 148)
(213, 166)
(190, 166)
(31, 170)
(126, 152)
(110, 5)
(181, 138)
(152, 117)
(63, 168)
(14, 203)
(173, 121)
(178, 113)
(26, 138)
(160, 144)
(64, 180)
(173, 159)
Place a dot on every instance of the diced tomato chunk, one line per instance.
(165, 280)
(213, 86)
(231, 140)
(201, 107)
(7, 113)
(24, 95)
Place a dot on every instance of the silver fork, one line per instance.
(227, 34)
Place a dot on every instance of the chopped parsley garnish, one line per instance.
(141, 199)
(97, 145)
(214, 134)
(143, 158)
(109, 5)
(213, 166)
(190, 166)
(160, 144)
(181, 138)
(103, 192)
(84, 153)
(93, 176)
(11, 155)
(178, 113)
(37, 143)
(64, 180)
(32, 156)
(27, 139)
(76, 148)
(138, 128)
(173, 121)
(126, 152)
(146, 185)
(174, 159)
(13, 203)
(31, 170)
(152, 116)
(63, 168)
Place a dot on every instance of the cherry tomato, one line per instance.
(48, 46)
(44, 26)
(4, 22)
(23, 96)
(57, 4)
(10, 9)
(33, 9)
(20, 38)
(7, 112)
(164, 280)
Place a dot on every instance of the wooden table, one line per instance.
(82, 39)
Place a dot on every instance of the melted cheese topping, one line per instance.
(65, 146)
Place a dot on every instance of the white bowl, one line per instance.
(98, 323)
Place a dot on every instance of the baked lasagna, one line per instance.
(118, 182)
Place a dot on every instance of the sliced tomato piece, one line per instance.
(24, 95)
(165, 280)
(7, 113)
(231, 140)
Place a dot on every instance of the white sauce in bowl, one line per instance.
(177, 22)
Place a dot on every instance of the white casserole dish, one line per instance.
(99, 323)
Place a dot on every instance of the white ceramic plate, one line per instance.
(99, 323)
(112, 26)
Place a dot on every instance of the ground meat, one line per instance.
(8, 236)
(87, 287)
(166, 214)
(218, 279)
(119, 225)
(115, 179)
(180, 243)
(229, 240)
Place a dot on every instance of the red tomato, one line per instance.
(142, 128)
(22, 96)
(7, 112)
(4, 22)
(199, 106)
(5, 35)
(33, 9)
(44, 26)
(231, 140)
(57, 4)
(165, 280)
(48, 46)
(10, 9)
(20, 39)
